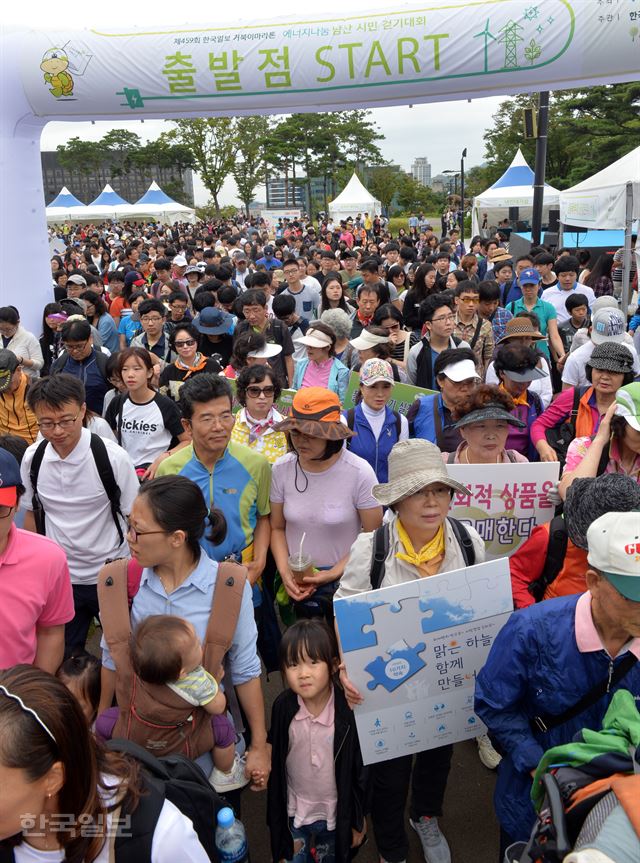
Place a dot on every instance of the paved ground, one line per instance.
(469, 822)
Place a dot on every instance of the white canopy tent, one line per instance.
(353, 199)
(64, 207)
(108, 205)
(156, 204)
(608, 200)
(513, 189)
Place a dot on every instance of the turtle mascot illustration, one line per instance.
(54, 65)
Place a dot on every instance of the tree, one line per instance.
(414, 197)
(119, 147)
(588, 129)
(212, 142)
(248, 170)
(83, 156)
(384, 185)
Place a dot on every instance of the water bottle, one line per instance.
(231, 840)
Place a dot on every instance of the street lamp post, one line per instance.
(462, 158)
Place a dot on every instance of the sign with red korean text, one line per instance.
(505, 501)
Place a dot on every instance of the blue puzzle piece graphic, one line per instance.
(352, 616)
(441, 614)
(403, 663)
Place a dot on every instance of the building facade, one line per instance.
(131, 186)
(421, 170)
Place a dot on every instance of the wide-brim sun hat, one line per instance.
(628, 404)
(490, 411)
(366, 340)
(524, 375)
(518, 328)
(268, 352)
(213, 321)
(316, 412)
(314, 339)
(611, 357)
(413, 465)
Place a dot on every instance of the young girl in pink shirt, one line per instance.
(316, 800)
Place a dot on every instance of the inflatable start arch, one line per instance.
(443, 49)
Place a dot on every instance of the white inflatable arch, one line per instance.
(445, 49)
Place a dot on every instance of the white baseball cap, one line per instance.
(179, 261)
(614, 549)
(461, 371)
(607, 325)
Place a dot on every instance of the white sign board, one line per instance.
(505, 501)
(414, 650)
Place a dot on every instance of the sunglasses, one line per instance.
(256, 392)
(186, 343)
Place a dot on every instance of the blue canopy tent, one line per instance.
(60, 209)
(157, 205)
(513, 189)
(108, 205)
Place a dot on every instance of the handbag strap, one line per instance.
(546, 722)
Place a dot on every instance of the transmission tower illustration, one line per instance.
(510, 38)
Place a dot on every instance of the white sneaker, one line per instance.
(487, 754)
(232, 780)
(434, 846)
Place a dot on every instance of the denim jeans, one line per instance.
(313, 836)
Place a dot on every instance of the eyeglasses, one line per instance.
(66, 423)
(30, 711)
(5, 511)
(134, 534)
(156, 319)
(470, 300)
(186, 343)
(76, 348)
(439, 491)
(444, 319)
(392, 328)
(256, 392)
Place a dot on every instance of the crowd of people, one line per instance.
(160, 499)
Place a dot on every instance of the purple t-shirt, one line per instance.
(327, 509)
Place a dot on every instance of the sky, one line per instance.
(438, 131)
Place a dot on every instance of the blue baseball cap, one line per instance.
(529, 277)
(213, 321)
(9, 479)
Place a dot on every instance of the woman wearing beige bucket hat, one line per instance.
(419, 541)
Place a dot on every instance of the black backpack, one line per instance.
(559, 437)
(174, 778)
(554, 561)
(381, 549)
(107, 478)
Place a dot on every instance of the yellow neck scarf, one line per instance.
(517, 400)
(430, 556)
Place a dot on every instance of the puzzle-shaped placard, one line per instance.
(404, 661)
(352, 618)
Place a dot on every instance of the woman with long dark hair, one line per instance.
(50, 342)
(99, 317)
(599, 277)
(423, 284)
(59, 789)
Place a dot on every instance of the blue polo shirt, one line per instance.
(239, 486)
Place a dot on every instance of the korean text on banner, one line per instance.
(401, 398)
(505, 501)
(413, 650)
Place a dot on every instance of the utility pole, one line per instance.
(462, 158)
(540, 167)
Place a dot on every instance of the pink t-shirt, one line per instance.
(324, 505)
(35, 590)
(311, 780)
(579, 447)
(317, 374)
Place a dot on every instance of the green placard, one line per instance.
(402, 395)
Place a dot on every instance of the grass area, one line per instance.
(398, 222)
